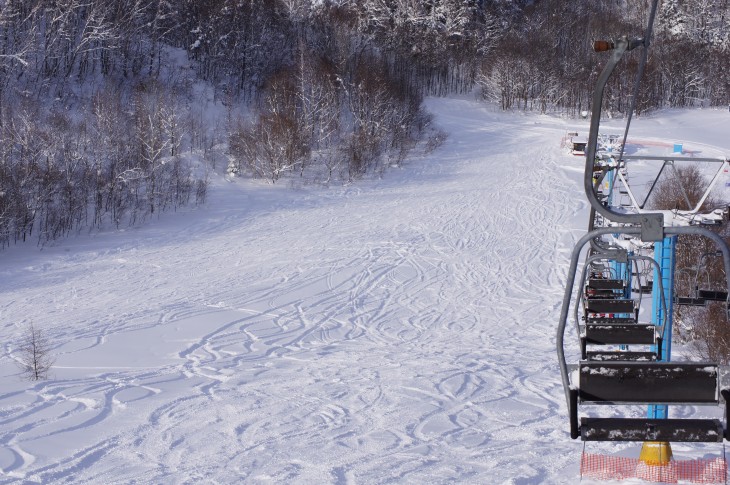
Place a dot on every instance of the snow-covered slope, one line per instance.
(395, 331)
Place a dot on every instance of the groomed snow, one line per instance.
(394, 331)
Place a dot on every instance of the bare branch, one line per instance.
(36, 359)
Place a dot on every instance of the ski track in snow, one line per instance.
(401, 331)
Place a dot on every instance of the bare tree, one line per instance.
(681, 189)
(705, 328)
(36, 359)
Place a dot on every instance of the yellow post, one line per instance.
(657, 453)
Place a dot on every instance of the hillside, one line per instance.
(397, 330)
(114, 111)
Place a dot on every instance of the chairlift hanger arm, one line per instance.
(653, 185)
(652, 224)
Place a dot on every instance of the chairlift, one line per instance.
(619, 377)
(578, 147)
(626, 383)
(701, 296)
(644, 283)
(605, 381)
(691, 215)
(575, 143)
(612, 319)
(691, 298)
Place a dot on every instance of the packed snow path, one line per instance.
(395, 331)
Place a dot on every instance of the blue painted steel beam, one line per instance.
(664, 254)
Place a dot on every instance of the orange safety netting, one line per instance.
(603, 467)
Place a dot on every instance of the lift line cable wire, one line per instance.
(640, 73)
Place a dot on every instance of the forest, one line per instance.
(114, 111)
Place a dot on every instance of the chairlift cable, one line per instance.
(639, 74)
(637, 82)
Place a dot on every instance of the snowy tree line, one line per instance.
(337, 86)
(545, 60)
(88, 139)
(100, 118)
(117, 164)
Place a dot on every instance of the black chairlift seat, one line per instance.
(689, 301)
(609, 305)
(592, 293)
(616, 311)
(643, 288)
(648, 383)
(605, 284)
(688, 383)
(711, 295)
(620, 333)
(604, 288)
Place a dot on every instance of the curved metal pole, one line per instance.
(701, 265)
(651, 223)
(596, 244)
(565, 309)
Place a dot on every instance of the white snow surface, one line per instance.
(399, 330)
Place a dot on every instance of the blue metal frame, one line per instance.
(665, 255)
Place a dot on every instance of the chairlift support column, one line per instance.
(665, 254)
(623, 271)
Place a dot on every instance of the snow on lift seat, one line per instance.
(595, 307)
(618, 383)
(602, 334)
